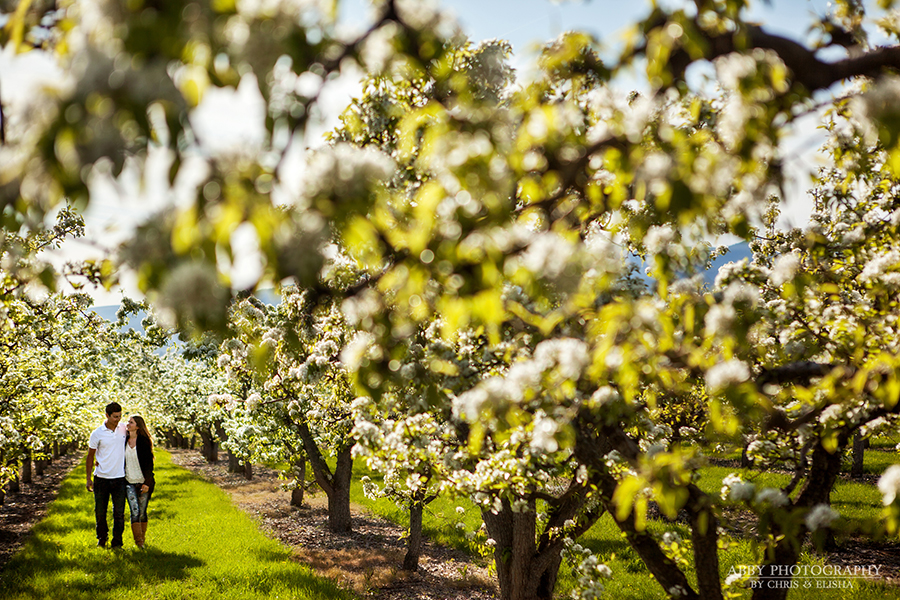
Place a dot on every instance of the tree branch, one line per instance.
(806, 68)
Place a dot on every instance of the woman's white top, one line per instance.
(133, 473)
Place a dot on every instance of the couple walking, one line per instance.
(123, 456)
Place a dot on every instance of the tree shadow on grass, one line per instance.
(48, 570)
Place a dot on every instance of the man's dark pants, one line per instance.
(104, 489)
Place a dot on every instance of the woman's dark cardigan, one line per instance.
(145, 459)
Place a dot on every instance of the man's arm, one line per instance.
(89, 466)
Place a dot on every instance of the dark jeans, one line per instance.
(103, 490)
(137, 502)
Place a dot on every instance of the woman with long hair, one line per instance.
(138, 475)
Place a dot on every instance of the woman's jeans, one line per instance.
(137, 502)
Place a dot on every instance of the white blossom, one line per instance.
(736, 489)
(878, 267)
(548, 255)
(544, 433)
(784, 269)
(720, 319)
(568, 355)
(889, 484)
(725, 374)
(733, 67)
(658, 238)
(821, 515)
(345, 171)
(730, 270)
(353, 353)
(772, 496)
(193, 291)
(833, 412)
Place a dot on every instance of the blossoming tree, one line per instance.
(288, 393)
(509, 231)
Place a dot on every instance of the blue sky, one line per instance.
(527, 22)
(524, 22)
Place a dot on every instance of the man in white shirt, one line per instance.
(106, 446)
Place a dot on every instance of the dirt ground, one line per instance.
(20, 512)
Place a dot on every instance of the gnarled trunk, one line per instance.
(336, 485)
(26, 469)
(13, 487)
(234, 465)
(339, 518)
(208, 446)
(525, 571)
(300, 475)
(414, 541)
(823, 471)
(514, 534)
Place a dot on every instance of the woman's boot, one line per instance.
(138, 531)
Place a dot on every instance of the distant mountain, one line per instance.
(735, 253)
(108, 312)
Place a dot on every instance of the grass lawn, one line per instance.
(631, 580)
(199, 546)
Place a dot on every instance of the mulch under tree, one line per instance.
(22, 510)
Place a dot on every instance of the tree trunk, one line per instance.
(26, 469)
(339, 518)
(300, 476)
(14, 483)
(823, 471)
(206, 445)
(55, 449)
(745, 458)
(39, 466)
(193, 442)
(247, 470)
(705, 542)
(514, 553)
(859, 447)
(414, 542)
(335, 485)
(234, 465)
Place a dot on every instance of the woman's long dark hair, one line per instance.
(142, 428)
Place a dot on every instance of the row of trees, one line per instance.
(461, 315)
(54, 354)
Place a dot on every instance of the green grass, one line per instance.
(199, 546)
(631, 580)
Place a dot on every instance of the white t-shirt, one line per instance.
(133, 473)
(110, 451)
